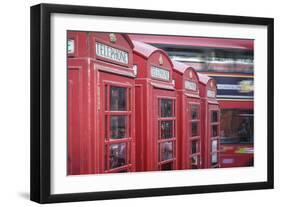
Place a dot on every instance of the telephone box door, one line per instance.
(116, 105)
(194, 135)
(214, 136)
(165, 130)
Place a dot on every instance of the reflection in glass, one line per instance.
(118, 126)
(214, 130)
(194, 146)
(214, 145)
(194, 162)
(214, 116)
(166, 108)
(166, 129)
(167, 166)
(194, 129)
(214, 158)
(117, 155)
(194, 112)
(117, 98)
(166, 150)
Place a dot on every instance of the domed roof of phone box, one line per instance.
(182, 67)
(204, 79)
(147, 50)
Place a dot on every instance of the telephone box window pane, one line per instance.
(106, 158)
(194, 129)
(194, 112)
(195, 162)
(214, 145)
(214, 130)
(166, 151)
(166, 108)
(214, 116)
(117, 98)
(194, 146)
(167, 166)
(118, 126)
(214, 158)
(117, 155)
(166, 129)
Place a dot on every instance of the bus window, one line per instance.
(237, 126)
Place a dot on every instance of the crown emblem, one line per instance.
(161, 60)
(112, 37)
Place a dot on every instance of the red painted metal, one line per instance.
(188, 115)
(211, 43)
(210, 123)
(90, 79)
(155, 147)
(143, 112)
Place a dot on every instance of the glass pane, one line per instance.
(237, 126)
(167, 166)
(166, 129)
(117, 98)
(194, 112)
(214, 158)
(214, 145)
(106, 157)
(214, 116)
(166, 151)
(195, 162)
(194, 129)
(166, 107)
(194, 146)
(117, 155)
(214, 130)
(118, 126)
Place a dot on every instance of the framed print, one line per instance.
(132, 103)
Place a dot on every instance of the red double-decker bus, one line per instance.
(231, 63)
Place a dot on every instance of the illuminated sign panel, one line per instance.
(160, 73)
(190, 85)
(112, 53)
(70, 46)
(211, 94)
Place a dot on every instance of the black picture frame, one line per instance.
(41, 99)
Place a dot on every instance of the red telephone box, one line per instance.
(188, 116)
(210, 122)
(101, 112)
(155, 109)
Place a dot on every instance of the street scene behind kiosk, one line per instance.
(150, 103)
